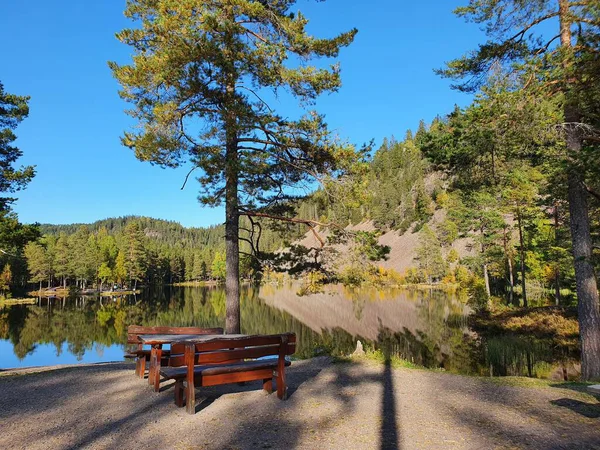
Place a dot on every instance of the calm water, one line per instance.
(426, 327)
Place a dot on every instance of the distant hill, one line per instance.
(161, 231)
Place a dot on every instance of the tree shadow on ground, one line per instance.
(517, 416)
(338, 388)
(389, 425)
(589, 410)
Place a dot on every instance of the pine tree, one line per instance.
(135, 253)
(120, 271)
(40, 266)
(429, 254)
(199, 267)
(218, 269)
(215, 67)
(61, 258)
(5, 279)
(13, 235)
(13, 109)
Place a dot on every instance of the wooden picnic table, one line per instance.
(156, 342)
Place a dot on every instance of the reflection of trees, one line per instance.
(513, 355)
(441, 340)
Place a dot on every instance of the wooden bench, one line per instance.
(142, 355)
(228, 360)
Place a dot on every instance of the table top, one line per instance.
(154, 339)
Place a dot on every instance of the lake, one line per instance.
(426, 327)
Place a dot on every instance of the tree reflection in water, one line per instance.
(428, 328)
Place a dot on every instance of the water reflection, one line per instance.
(428, 328)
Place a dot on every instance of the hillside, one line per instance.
(165, 232)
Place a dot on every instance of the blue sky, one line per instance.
(57, 53)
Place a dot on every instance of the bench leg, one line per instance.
(281, 387)
(137, 367)
(156, 380)
(179, 393)
(268, 385)
(142, 364)
(190, 398)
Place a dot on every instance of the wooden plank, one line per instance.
(236, 377)
(281, 386)
(190, 392)
(158, 357)
(225, 357)
(180, 372)
(241, 353)
(133, 331)
(151, 339)
(138, 329)
(179, 391)
(225, 342)
(268, 385)
(142, 372)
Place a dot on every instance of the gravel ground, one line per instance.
(340, 406)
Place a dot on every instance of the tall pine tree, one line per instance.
(199, 81)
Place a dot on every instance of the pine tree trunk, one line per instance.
(232, 253)
(557, 270)
(522, 245)
(587, 288)
(232, 213)
(486, 278)
(511, 280)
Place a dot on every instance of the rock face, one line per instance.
(403, 247)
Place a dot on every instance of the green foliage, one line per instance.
(429, 254)
(5, 279)
(38, 262)
(13, 109)
(218, 266)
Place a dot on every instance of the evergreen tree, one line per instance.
(429, 254)
(135, 253)
(105, 274)
(218, 269)
(40, 266)
(5, 279)
(13, 109)
(215, 67)
(13, 235)
(199, 272)
(61, 258)
(120, 271)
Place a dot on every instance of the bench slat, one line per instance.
(134, 330)
(242, 342)
(181, 372)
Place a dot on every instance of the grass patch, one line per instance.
(551, 322)
(377, 356)
(580, 387)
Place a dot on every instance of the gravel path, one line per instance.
(340, 406)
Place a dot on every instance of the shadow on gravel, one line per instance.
(287, 429)
(589, 410)
(512, 416)
(389, 426)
